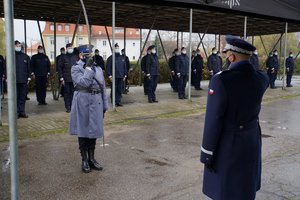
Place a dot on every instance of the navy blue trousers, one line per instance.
(21, 97)
(152, 84)
(40, 88)
(181, 85)
(68, 94)
(119, 90)
(289, 78)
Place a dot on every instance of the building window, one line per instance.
(67, 27)
(51, 27)
(104, 55)
(80, 38)
(80, 28)
(52, 40)
(52, 55)
(67, 40)
(133, 57)
(133, 44)
(119, 30)
(104, 43)
(59, 27)
(100, 32)
(137, 32)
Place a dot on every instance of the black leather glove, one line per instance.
(210, 168)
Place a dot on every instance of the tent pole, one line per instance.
(40, 31)
(125, 41)
(177, 40)
(280, 54)
(181, 39)
(219, 43)
(216, 40)
(163, 48)
(87, 25)
(262, 42)
(245, 28)
(113, 56)
(139, 65)
(252, 41)
(55, 42)
(12, 101)
(76, 27)
(25, 36)
(201, 39)
(109, 42)
(190, 56)
(285, 53)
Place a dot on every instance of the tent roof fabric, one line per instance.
(215, 18)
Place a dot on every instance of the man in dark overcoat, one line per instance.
(231, 145)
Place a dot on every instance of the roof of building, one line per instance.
(222, 17)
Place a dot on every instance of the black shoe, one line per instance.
(22, 116)
(119, 104)
(289, 86)
(180, 98)
(154, 101)
(44, 103)
(150, 101)
(39, 104)
(68, 110)
(92, 162)
(184, 97)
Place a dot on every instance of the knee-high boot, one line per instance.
(92, 161)
(83, 146)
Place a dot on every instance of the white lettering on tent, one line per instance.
(232, 3)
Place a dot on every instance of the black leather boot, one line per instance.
(85, 162)
(92, 162)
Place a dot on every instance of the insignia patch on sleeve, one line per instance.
(211, 92)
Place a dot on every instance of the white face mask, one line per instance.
(183, 52)
(18, 49)
(255, 52)
(177, 53)
(117, 50)
(291, 55)
(275, 53)
(63, 52)
(153, 51)
(97, 53)
(70, 50)
(41, 51)
(199, 53)
(214, 52)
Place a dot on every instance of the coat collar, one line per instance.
(239, 65)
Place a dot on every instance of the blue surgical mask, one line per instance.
(18, 49)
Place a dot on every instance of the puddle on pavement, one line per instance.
(156, 162)
(265, 136)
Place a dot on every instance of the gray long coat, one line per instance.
(87, 109)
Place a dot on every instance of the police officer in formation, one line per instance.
(152, 74)
(126, 83)
(2, 74)
(23, 77)
(143, 68)
(231, 145)
(214, 63)
(173, 76)
(99, 60)
(272, 68)
(40, 67)
(193, 77)
(62, 52)
(88, 108)
(182, 72)
(197, 68)
(65, 64)
(119, 76)
(289, 64)
(254, 60)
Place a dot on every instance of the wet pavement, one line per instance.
(152, 150)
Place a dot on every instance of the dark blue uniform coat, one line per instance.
(197, 65)
(214, 64)
(254, 61)
(289, 64)
(152, 68)
(232, 136)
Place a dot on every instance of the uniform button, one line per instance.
(241, 127)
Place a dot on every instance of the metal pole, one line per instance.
(12, 101)
(125, 41)
(108, 38)
(76, 27)
(40, 31)
(219, 43)
(285, 47)
(262, 42)
(215, 40)
(177, 40)
(87, 25)
(140, 71)
(113, 56)
(55, 42)
(144, 45)
(201, 39)
(190, 56)
(245, 28)
(25, 36)
(181, 39)
(252, 40)
(279, 60)
(162, 46)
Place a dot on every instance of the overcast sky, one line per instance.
(32, 30)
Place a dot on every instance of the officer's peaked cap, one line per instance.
(151, 47)
(69, 45)
(238, 45)
(40, 47)
(17, 42)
